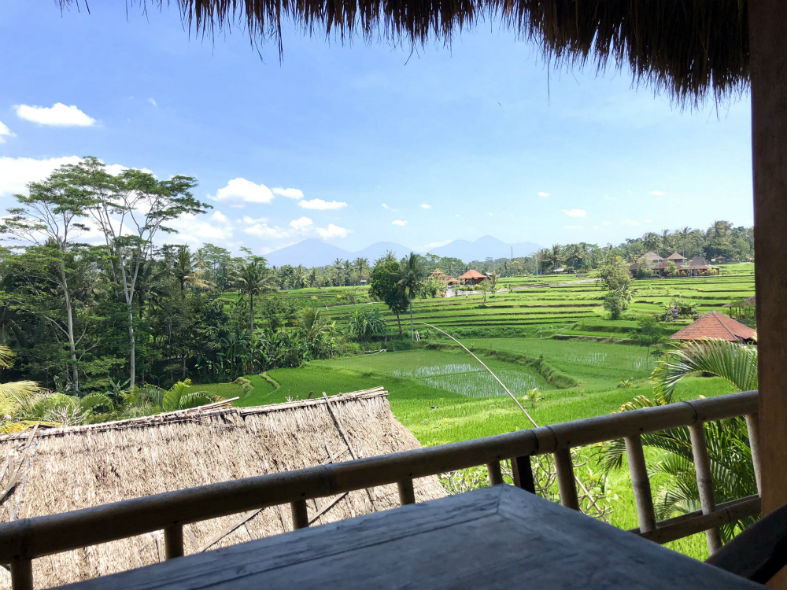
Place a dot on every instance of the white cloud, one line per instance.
(385, 206)
(425, 206)
(575, 212)
(332, 231)
(153, 102)
(263, 230)
(321, 205)
(5, 132)
(630, 222)
(252, 220)
(542, 194)
(301, 223)
(16, 173)
(290, 193)
(399, 222)
(657, 193)
(240, 189)
(58, 115)
(197, 229)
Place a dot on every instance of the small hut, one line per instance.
(651, 257)
(57, 470)
(715, 325)
(677, 258)
(471, 277)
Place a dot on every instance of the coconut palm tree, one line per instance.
(727, 441)
(13, 395)
(254, 278)
(410, 280)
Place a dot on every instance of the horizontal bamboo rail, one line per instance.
(23, 540)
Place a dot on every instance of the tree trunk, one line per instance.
(251, 316)
(132, 357)
(412, 332)
(399, 321)
(70, 332)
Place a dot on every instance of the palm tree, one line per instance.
(13, 395)
(729, 451)
(254, 278)
(411, 280)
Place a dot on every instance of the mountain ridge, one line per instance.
(314, 252)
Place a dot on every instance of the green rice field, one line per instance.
(548, 335)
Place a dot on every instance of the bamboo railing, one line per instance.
(23, 540)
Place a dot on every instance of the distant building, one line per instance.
(471, 277)
(715, 325)
(677, 258)
(651, 257)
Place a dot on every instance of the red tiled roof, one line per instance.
(472, 274)
(716, 325)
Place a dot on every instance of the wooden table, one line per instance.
(499, 537)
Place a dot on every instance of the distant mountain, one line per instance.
(309, 253)
(380, 249)
(313, 252)
(484, 247)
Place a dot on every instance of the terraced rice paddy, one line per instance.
(551, 336)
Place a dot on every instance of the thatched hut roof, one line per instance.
(652, 257)
(676, 257)
(692, 48)
(715, 325)
(64, 469)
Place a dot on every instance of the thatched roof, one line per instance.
(676, 257)
(652, 257)
(691, 47)
(715, 325)
(65, 469)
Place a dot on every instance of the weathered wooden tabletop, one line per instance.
(500, 537)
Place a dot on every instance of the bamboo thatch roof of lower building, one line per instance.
(56, 470)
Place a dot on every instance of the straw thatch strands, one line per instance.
(692, 47)
(58, 470)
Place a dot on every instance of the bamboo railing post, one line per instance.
(22, 574)
(495, 473)
(704, 481)
(406, 491)
(173, 541)
(753, 425)
(523, 474)
(300, 515)
(640, 483)
(565, 479)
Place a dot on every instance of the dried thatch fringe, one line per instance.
(692, 48)
(90, 465)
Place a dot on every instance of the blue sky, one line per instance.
(356, 143)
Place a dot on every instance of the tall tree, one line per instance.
(411, 280)
(131, 210)
(49, 216)
(254, 278)
(384, 286)
(616, 278)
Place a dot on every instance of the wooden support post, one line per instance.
(704, 481)
(753, 425)
(523, 474)
(565, 479)
(495, 473)
(22, 574)
(640, 483)
(768, 67)
(300, 515)
(406, 491)
(173, 541)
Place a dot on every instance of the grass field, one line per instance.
(442, 395)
